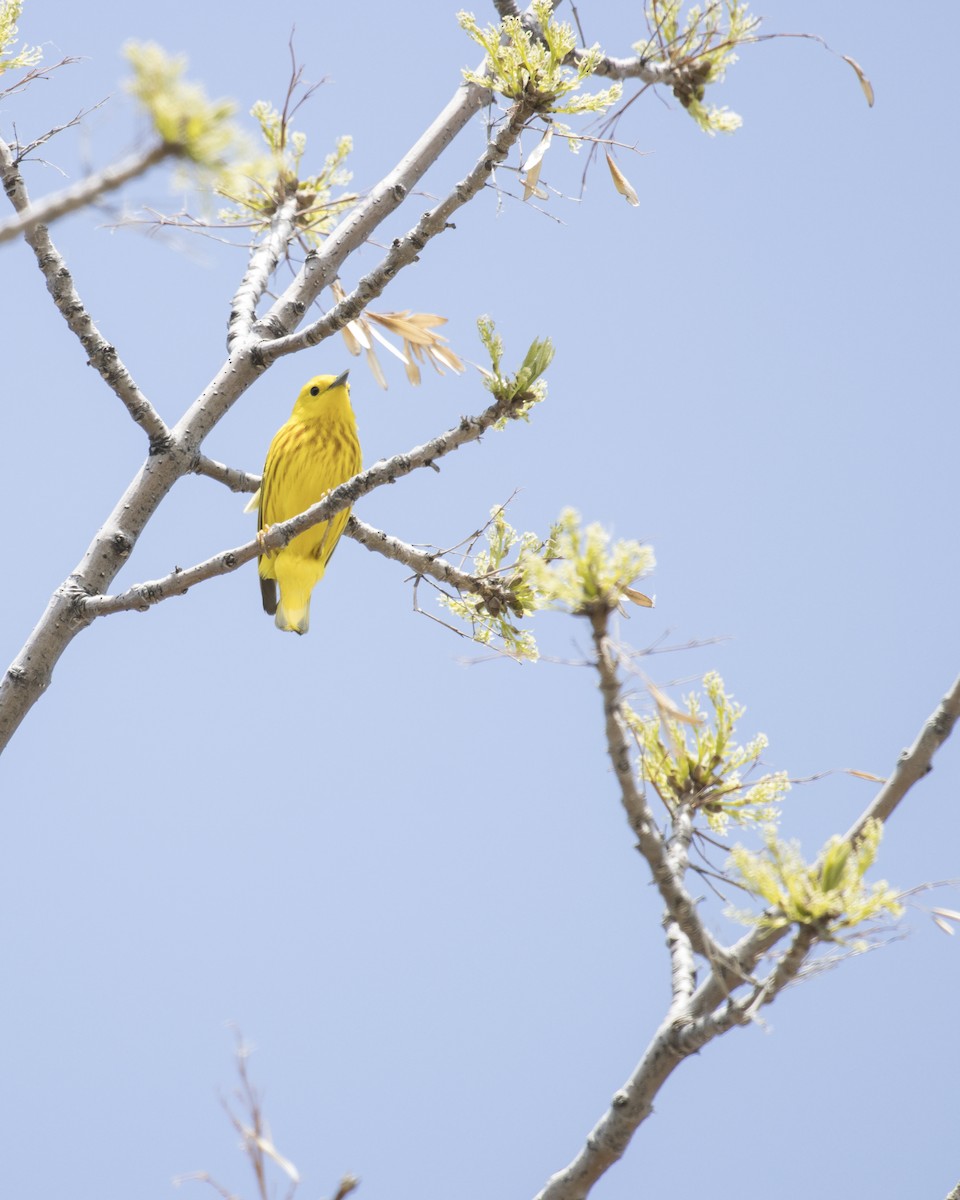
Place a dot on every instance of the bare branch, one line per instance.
(650, 843)
(637, 67)
(675, 1040)
(100, 353)
(38, 72)
(142, 595)
(83, 193)
(683, 970)
(235, 479)
(263, 262)
(424, 563)
(631, 1105)
(23, 152)
(914, 763)
(406, 249)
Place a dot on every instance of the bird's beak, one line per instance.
(340, 380)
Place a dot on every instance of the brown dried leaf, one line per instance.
(866, 775)
(415, 327)
(944, 926)
(638, 598)
(413, 372)
(622, 184)
(354, 337)
(448, 358)
(950, 913)
(864, 81)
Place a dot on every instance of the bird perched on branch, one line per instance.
(314, 452)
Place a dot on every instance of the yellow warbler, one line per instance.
(317, 450)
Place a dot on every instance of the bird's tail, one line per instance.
(293, 612)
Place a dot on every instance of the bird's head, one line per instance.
(324, 396)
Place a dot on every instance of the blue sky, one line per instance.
(405, 878)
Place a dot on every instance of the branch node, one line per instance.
(122, 545)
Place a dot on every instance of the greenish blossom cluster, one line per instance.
(26, 56)
(494, 625)
(258, 187)
(693, 759)
(581, 570)
(701, 48)
(576, 570)
(539, 66)
(527, 383)
(829, 895)
(201, 130)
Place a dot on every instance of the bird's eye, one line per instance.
(314, 391)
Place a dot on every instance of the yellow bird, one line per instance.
(317, 450)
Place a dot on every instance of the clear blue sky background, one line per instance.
(407, 880)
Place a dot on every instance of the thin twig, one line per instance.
(913, 763)
(425, 563)
(235, 479)
(83, 193)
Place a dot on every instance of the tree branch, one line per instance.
(631, 1105)
(359, 223)
(263, 262)
(696, 1019)
(741, 1012)
(101, 354)
(405, 250)
(676, 1039)
(235, 479)
(914, 763)
(636, 67)
(683, 970)
(143, 595)
(30, 673)
(83, 193)
(650, 844)
(494, 591)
